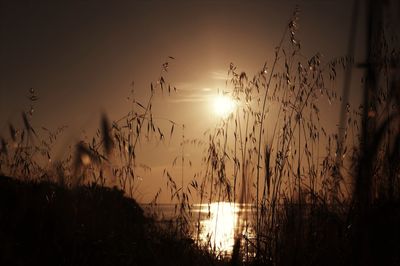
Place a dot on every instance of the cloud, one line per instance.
(185, 86)
(219, 75)
(194, 97)
(188, 92)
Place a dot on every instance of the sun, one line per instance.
(223, 106)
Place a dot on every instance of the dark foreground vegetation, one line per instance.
(42, 223)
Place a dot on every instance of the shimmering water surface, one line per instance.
(218, 223)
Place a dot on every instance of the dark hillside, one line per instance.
(46, 224)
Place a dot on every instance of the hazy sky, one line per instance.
(81, 57)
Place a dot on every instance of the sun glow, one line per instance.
(223, 106)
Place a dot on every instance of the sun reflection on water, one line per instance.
(219, 225)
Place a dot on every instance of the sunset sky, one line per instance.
(82, 56)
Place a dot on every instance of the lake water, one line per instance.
(219, 223)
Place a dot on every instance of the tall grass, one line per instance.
(108, 158)
(303, 180)
(268, 151)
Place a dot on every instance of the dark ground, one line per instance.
(42, 223)
(45, 224)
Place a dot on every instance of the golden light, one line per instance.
(223, 106)
(221, 223)
(219, 229)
